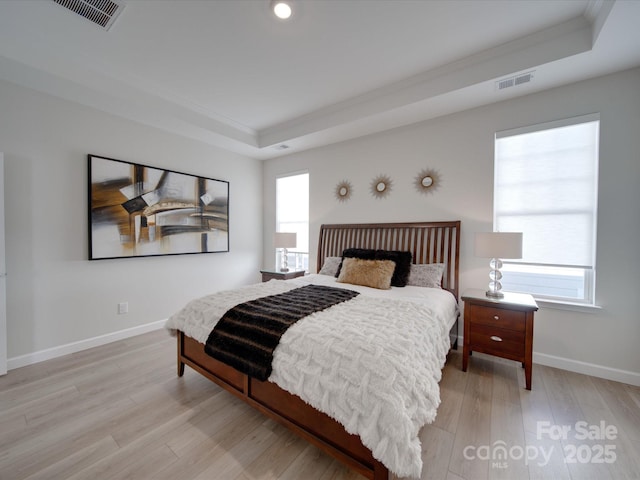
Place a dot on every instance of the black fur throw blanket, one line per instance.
(246, 335)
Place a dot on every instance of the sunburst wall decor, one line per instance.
(427, 181)
(343, 190)
(381, 186)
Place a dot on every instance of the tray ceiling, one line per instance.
(229, 73)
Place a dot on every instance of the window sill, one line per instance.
(574, 307)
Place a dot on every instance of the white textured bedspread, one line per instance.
(372, 363)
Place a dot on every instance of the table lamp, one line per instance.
(497, 245)
(284, 240)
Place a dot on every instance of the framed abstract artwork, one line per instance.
(139, 211)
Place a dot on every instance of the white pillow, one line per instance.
(426, 275)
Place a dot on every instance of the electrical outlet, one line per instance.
(123, 308)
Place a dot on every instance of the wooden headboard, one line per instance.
(428, 242)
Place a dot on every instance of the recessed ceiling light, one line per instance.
(281, 9)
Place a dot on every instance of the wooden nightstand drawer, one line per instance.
(498, 341)
(498, 317)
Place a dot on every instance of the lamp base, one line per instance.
(495, 275)
(285, 263)
(492, 294)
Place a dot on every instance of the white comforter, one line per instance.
(372, 363)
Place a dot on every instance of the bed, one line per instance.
(429, 243)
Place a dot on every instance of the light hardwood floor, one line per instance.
(119, 411)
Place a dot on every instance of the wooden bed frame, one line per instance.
(429, 242)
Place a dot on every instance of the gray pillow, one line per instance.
(426, 275)
(330, 266)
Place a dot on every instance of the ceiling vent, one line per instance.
(514, 81)
(100, 12)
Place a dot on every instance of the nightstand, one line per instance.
(269, 275)
(499, 326)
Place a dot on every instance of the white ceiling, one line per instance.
(231, 74)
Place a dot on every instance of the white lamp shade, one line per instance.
(499, 245)
(284, 240)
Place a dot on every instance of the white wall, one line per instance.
(460, 148)
(55, 295)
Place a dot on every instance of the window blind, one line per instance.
(546, 187)
(292, 215)
(292, 208)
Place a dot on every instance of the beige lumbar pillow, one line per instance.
(369, 273)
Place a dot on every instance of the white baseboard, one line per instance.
(624, 376)
(49, 353)
(608, 373)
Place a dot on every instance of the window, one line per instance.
(292, 215)
(546, 183)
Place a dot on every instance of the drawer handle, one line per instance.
(496, 317)
(495, 338)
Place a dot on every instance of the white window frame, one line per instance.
(297, 258)
(540, 275)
